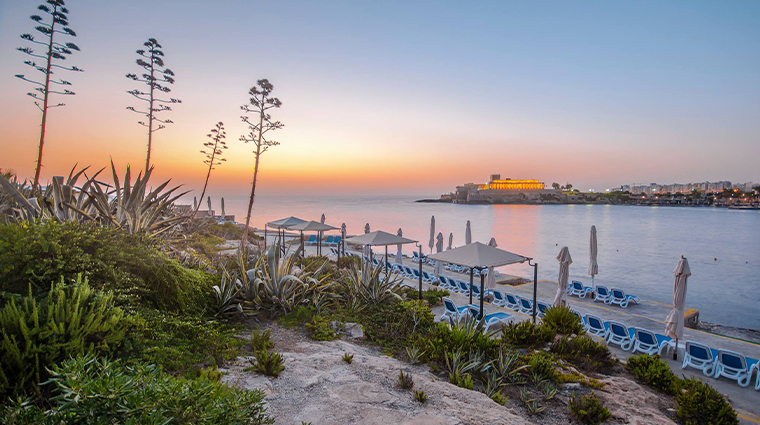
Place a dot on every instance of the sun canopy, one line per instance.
(378, 238)
(312, 226)
(478, 255)
(285, 223)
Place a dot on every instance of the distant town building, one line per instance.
(705, 187)
(499, 190)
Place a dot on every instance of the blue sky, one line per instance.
(414, 97)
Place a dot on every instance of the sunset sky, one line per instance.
(408, 97)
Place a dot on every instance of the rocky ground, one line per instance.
(741, 333)
(318, 387)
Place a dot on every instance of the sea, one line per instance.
(638, 246)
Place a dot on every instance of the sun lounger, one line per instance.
(489, 319)
(452, 311)
(577, 288)
(329, 240)
(699, 356)
(602, 294)
(526, 306)
(734, 366)
(541, 308)
(620, 335)
(596, 326)
(428, 277)
(498, 298)
(647, 341)
(464, 288)
(311, 241)
(336, 240)
(577, 313)
(476, 291)
(445, 282)
(619, 297)
(511, 301)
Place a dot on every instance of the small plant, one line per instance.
(321, 330)
(462, 381)
(405, 380)
(563, 321)
(458, 366)
(699, 403)
(499, 398)
(549, 391)
(588, 409)
(526, 334)
(653, 371)
(269, 363)
(508, 367)
(348, 358)
(211, 374)
(414, 354)
(420, 396)
(261, 340)
(584, 352)
(541, 368)
(531, 403)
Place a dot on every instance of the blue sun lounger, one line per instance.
(647, 341)
(596, 326)
(452, 311)
(577, 288)
(734, 366)
(511, 301)
(526, 306)
(489, 319)
(602, 294)
(620, 335)
(619, 297)
(700, 356)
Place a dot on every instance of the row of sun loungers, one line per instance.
(711, 362)
(330, 240)
(601, 293)
(457, 313)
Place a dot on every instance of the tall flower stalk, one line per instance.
(213, 149)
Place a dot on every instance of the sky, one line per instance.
(406, 97)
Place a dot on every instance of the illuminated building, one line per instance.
(497, 183)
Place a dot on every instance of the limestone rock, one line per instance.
(353, 331)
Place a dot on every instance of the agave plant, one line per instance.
(367, 285)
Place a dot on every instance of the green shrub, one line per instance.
(97, 391)
(584, 352)
(269, 363)
(541, 368)
(346, 262)
(465, 336)
(395, 325)
(321, 330)
(321, 264)
(433, 296)
(697, 403)
(499, 398)
(653, 371)
(300, 316)
(588, 409)
(70, 321)
(178, 343)
(420, 396)
(348, 358)
(526, 334)
(405, 380)
(261, 340)
(111, 259)
(563, 321)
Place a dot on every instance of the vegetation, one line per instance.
(56, 25)
(92, 390)
(348, 358)
(269, 363)
(699, 403)
(589, 409)
(157, 77)
(653, 371)
(584, 352)
(405, 380)
(420, 396)
(563, 321)
(260, 102)
(213, 151)
(526, 334)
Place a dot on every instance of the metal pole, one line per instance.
(386, 259)
(482, 295)
(265, 236)
(420, 271)
(535, 289)
(471, 278)
(675, 351)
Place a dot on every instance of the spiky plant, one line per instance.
(52, 29)
(368, 285)
(213, 149)
(157, 77)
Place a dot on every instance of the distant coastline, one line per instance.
(597, 199)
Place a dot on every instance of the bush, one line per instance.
(269, 363)
(70, 321)
(432, 296)
(178, 343)
(653, 371)
(346, 262)
(541, 368)
(88, 390)
(405, 380)
(526, 334)
(137, 272)
(584, 352)
(465, 337)
(395, 325)
(697, 403)
(563, 321)
(588, 409)
(320, 329)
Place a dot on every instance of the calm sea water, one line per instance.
(638, 246)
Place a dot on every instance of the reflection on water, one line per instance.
(638, 246)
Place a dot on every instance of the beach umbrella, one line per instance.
(564, 271)
(674, 323)
(378, 238)
(431, 243)
(366, 228)
(451, 241)
(210, 212)
(320, 235)
(223, 214)
(399, 255)
(467, 234)
(593, 267)
(285, 223)
(343, 237)
(491, 276)
(438, 248)
(367, 248)
(311, 226)
(478, 255)
(195, 203)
